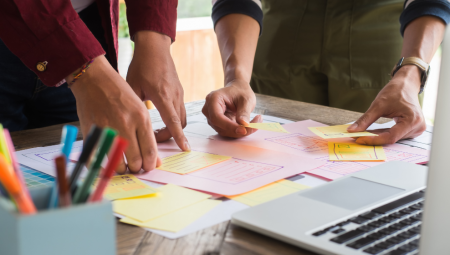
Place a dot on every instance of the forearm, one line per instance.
(237, 35)
(151, 46)
(422, 38)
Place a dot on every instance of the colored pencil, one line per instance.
(68, 137)
(63, 186)
(12, 185)
(114, 159)
(82, 193)
(89, 145)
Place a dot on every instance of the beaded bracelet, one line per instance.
(82, 71)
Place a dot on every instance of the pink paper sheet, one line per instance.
(249, 169)
(305, 143)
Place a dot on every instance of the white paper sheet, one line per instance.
(423, 141)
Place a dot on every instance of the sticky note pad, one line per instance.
(187, 162)
(178, 220)
(337, 132)
(274, 127)
(168, 199)
(269, 192)
(126, 186)
(355, 152)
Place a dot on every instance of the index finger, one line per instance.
(172, 120)
(389, 136)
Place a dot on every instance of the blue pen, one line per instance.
(68, 137)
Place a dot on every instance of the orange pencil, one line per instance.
(12, 185)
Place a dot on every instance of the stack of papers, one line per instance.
(171, 209)
(249, 171)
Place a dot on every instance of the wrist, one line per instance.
(151, 42)
(233, 74)
(410, 75)
(237, 82)
(99, 67)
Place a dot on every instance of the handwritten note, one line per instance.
(355, 152)
(169, 199)
(269, 192)
(337, 132)
(126, 186)
(274, 127)
(236, 171)
(187, 162)
(178, 220)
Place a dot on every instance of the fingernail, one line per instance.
(245, 120)
(241, 131)
(353, 126)
(187, 146)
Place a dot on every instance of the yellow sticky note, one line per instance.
(355, 152)
(186, 162)
(274, 127)
(168, 199)
(269, 192)
(126, 186)
(337, 132)
(178, 220)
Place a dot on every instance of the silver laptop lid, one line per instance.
(435, 233)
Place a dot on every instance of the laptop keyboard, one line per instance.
(391, 229)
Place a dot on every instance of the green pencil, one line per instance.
(106, 140)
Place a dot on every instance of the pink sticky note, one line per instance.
(74, 156)
(249, 168)
(302, 142)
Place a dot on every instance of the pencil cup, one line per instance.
(79, 229)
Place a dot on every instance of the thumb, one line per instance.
(364, 121)
(243, 112)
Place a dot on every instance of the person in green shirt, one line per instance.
(338, 53)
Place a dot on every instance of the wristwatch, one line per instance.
(422, 65)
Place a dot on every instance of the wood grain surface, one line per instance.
(223, 238)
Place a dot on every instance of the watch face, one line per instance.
(400, 62)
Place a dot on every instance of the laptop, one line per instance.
(394, 208)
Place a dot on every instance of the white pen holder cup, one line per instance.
(79, 229)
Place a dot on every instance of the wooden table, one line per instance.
(223, 238)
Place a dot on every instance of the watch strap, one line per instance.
(417, 62)
(422, 65)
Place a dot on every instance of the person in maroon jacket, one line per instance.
(53, 67)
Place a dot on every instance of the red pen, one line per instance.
(114, 157)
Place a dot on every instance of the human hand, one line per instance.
(228, 108)
(397, 100)
(105, 99)
(152, 76)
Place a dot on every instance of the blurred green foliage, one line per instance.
(194, 8)
(123, 23)
(186, 9)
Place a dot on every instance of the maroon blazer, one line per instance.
(50, 30)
